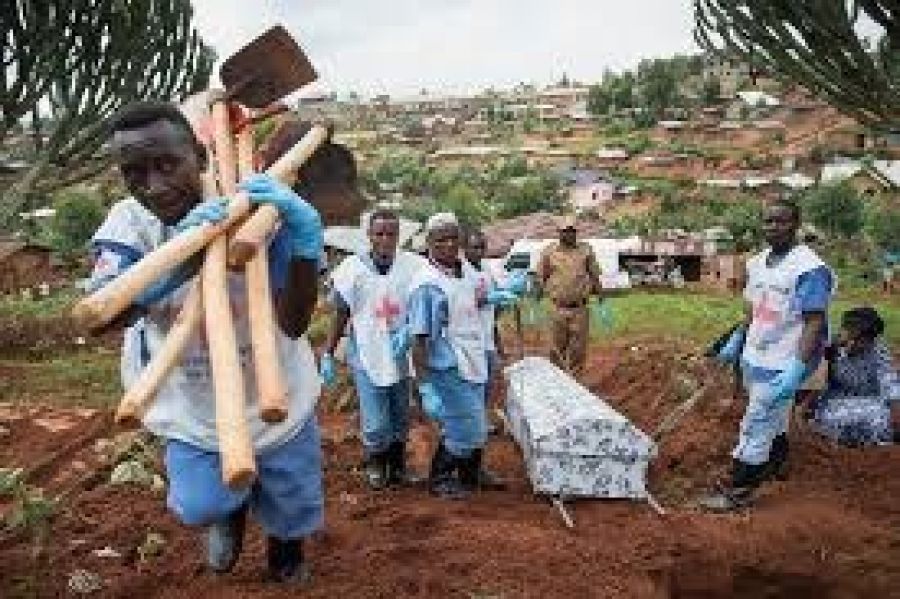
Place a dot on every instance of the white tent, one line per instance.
(574, 443)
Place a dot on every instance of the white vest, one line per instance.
(773, 338)
(184, 407)
(483, 283)
(465, 328)
(377, 306)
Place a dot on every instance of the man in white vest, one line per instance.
(370, 292)
(449, 354)
(491, 296)
(788, 291)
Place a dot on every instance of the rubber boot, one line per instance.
(486, 479)
(285, 561)
(376, 470)
(745, 478)
(225, 540)
(778, 458)
(470, 471)
(397, 471)
(442, 480)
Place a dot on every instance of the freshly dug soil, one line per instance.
(832, 530)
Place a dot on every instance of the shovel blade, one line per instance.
(266, 70)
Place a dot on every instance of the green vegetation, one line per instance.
(84, 378)
(57, 304)
(501, 189)
(78, 215)
(702, 318)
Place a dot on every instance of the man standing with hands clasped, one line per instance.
(789, 289)
(568, 274)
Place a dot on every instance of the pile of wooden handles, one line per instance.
(239, 240)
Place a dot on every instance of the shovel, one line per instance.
(266, 70)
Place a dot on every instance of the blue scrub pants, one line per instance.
(763, 421)
(286, 499)
(463, 418)
(383, 412)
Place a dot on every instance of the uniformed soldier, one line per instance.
(568, 274)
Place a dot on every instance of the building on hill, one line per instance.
(868, 178)
(589, 190)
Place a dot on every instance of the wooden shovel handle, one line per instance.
(235, 446)
(143, 391)
(271, 388)
(104, 305)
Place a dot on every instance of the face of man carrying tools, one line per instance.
(160, 162)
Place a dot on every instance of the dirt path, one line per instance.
(831, 531)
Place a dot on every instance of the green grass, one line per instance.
(703, 317)
(87, 378)
(57, 304)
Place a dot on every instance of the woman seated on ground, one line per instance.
(861, 403)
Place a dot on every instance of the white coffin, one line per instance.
(574, 443)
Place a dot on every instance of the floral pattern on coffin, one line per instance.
(574, 444)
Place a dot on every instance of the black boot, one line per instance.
(777, 466)
(285, 561)
(397, 471)
(470, 471)
(224, 541)
(375, 469)
(442, 479)
(745, 478)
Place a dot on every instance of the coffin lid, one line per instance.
(562, 416)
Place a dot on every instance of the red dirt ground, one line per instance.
(831, 531)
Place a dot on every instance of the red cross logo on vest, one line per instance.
(387, 309)
(764, 312)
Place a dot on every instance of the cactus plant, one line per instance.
(73, 63)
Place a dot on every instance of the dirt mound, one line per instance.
(39, 337)
(830, 531)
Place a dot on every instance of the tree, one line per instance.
(712, 90)
(78, 214)
(71, 64)
(599, 100)
(815, 44)
(837, 210)
(658, 87)
(884, 223)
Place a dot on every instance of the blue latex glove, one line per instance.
(400, 339)
(500, 297)
(602, 314)
(785, 385)
(300, 219)
(730, 352)
(431, 401)
(517, 282)
(327, 370)
(210, 211)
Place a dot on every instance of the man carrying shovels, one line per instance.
(161, 160)
(788, 291)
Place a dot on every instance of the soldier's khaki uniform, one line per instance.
(568, 276)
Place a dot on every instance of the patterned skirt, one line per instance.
(854, 421)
